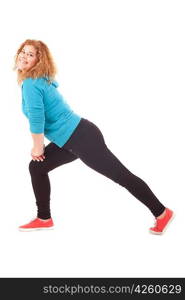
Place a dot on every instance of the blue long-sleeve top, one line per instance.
(47, 110)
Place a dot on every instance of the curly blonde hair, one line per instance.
(45, 66)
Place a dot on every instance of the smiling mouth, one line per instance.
(23, 61)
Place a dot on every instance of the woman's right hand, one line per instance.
(38, 158)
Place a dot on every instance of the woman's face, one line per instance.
(27, 58)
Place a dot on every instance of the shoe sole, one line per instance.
(36, 229)
(164, 229)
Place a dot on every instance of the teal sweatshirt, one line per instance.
(47, 110)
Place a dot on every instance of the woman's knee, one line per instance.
(125, 178)
(35, 167)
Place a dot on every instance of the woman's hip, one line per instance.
(86, 134)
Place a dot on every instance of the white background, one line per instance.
(122, 66)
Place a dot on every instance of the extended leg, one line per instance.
(89, 145)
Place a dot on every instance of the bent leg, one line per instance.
(54, 157)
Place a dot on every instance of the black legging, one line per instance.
(87, 143)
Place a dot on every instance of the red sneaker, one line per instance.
(161, 224)
(37, 224)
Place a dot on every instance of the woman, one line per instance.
(70, 136)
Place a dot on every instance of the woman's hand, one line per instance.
(37, 153)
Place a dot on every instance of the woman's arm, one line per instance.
(38, 140)
(33, 96)
(34, 103)
(38, 144)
